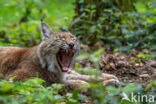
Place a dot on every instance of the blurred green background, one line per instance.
(20, 19)
(118, 25)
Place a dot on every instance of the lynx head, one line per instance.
(57, 49)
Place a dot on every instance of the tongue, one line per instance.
(65, 68)
(65, 62)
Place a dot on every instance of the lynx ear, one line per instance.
(46, 31)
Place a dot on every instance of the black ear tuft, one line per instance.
(63, 30)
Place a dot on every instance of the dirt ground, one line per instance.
(127, 67)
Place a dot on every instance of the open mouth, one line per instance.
(64, 58)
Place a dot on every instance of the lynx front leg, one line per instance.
(106, 78)
(109, 79)
(75, 83)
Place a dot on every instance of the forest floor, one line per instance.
(135, 67)
(128, 68)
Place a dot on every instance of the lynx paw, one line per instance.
(109, 79)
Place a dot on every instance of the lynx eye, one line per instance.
(74, 39)
(56, 38)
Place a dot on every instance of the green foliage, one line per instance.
(146, 56)
(20, 19)
(33, 91)
(112, 95)
(94, 58)
(120, 26)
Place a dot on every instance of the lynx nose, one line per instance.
(71, 45)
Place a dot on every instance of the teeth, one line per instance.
(67, 51)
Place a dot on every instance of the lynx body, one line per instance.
(50, 60)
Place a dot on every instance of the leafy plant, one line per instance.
(20, 20)
(35, 92)
(122, 25)
(95, 58)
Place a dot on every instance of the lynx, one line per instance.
(51, 60)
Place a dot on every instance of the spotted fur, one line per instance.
(40, 60)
